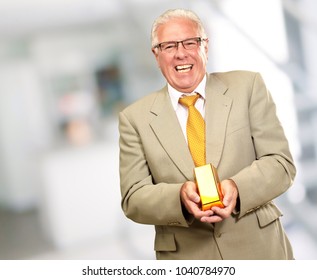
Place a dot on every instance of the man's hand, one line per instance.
(191, 200)
(230, 192)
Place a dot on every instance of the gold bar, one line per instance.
(209, 187)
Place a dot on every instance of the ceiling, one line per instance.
(22, 17)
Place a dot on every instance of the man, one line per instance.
(244, 140)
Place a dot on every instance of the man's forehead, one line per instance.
(177, 29)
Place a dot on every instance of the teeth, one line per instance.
(183, 68)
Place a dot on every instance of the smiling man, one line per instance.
(229, 119)
(184, 67)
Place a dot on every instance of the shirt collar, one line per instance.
(175, 94)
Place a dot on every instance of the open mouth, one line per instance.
(184, 68)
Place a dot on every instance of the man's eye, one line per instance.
(169, 46)
(190, 43)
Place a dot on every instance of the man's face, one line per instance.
(183, 69)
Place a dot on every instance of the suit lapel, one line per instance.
(166, 127)
(217, 112)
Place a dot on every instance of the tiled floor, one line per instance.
(21, 236)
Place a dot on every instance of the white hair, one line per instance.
(172, 14)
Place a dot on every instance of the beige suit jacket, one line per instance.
(244, 140)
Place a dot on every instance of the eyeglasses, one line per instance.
(172, 46)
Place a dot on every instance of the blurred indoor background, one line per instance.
(67, 68)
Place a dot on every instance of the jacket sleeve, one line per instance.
(142, 200)
(273, 171)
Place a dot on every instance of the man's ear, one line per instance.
(155, 52)
(206, 48)
(206, 45)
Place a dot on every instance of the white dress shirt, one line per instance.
(182, 111)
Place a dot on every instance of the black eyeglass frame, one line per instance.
(198, 39)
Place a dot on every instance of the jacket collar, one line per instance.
(166, 127)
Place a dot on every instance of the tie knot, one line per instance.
(188, 100)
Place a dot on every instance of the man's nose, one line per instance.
(180, 50)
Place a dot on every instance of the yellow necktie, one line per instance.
(195, 130)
